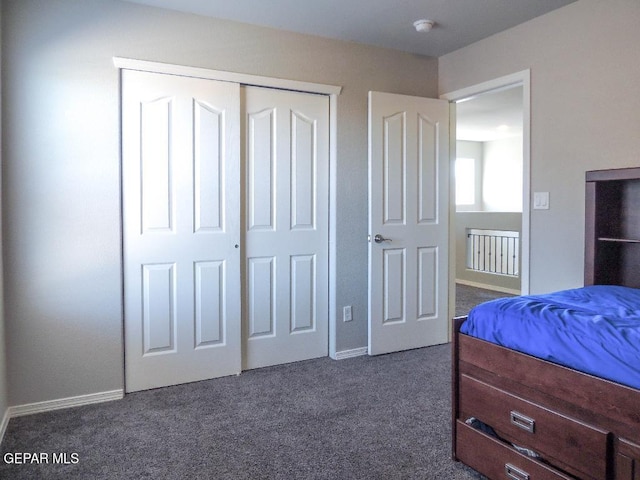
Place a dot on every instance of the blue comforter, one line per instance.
(593, 329)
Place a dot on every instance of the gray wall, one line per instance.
(60, 153)
(585, 68)
(63, 290)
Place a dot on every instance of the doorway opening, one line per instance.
(488, 183)
(489, 234)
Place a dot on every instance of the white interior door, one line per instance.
(408, 222)
(181, 229)
(286, 151)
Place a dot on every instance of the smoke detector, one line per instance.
(423, 25)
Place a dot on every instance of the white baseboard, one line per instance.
(485, 286)
(47, 406)
(355, 352)
(4, 425)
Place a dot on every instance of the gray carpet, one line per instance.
(385, 417)
(468, 297)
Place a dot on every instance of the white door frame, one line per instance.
(523, 79)
(332, 91)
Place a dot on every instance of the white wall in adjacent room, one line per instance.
(502, 175)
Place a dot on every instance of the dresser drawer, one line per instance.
(496, 460)
(627, 460)
(563, 441)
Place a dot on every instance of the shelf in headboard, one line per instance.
(612, 227)
(619, 240)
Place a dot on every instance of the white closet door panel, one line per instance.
(208, 144)
(260, 290)
(286, 147)
(210, 315)
(158, 310)
(261, 158)
(155, 168)
(181, 229)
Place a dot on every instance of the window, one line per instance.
(465, 181)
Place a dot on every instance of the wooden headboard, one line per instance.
(612, 227)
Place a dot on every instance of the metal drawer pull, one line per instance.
(514, 473)
(528, 424)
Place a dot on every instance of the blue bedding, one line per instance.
(594, 329)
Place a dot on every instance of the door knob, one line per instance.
(379, 238)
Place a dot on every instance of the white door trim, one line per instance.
(220, 75)
(523, 79)
(332, 91)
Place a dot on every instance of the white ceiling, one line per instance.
(384, 23)
(490, 116)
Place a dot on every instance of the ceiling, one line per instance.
(383, 23)
(490, 116)
(389, 24)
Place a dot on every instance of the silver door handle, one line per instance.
(379, 238)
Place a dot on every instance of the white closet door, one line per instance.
(286, 151)
(408, 221)
(181, 226)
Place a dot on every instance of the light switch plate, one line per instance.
(541, 200)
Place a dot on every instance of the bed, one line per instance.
(548, 386)
(572, 424)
